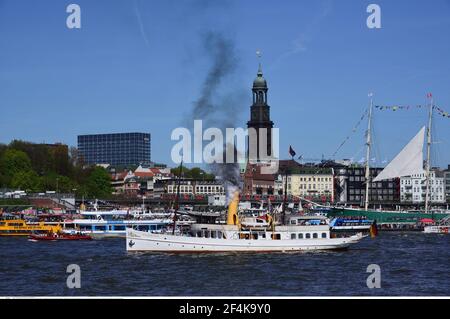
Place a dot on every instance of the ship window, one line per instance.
(308, 235)
(276, 236)
(293, 221)
(324, 235)
(293, 236)
(315, 235)
(199, 234)
(300, 235)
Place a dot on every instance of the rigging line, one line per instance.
(436, 140)
(355, 128)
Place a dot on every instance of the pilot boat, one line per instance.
(302, 233)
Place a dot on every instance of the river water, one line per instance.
(412, 264)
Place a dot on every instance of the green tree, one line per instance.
(27, 181)
(13, 162)
(98, 184)
(39, 155)
(195, 173)
(60, 183)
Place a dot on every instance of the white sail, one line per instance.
(408, 162)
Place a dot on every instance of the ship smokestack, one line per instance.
(232, 218)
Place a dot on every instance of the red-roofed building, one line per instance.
(257, 183)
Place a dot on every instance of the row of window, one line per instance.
(314, 179)
(307, 235)
(185, 189)
(358, 191)
(419, 189)
(418, 182)
(313, 186)
(422, 198)
(371, 198)
(362, 172)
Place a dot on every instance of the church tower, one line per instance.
(260, 116)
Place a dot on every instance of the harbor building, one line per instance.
(141, 181)
(350, 185)
(195, 187)
(117, 149)
(256, 183)
(413, 188)
(310, 182)
(447, 183)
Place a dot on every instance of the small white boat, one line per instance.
(442, 227)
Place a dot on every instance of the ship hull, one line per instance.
(385, 217)
(436, 229)
(145, 241)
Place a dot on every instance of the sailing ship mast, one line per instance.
(368, 145)
(428, 164)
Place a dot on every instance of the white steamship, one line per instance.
(302, 233)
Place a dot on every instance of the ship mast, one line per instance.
(368, 145)
(177, 199)
(428, 164)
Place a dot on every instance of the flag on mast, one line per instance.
(291, 151)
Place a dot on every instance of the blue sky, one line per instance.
(140, 65)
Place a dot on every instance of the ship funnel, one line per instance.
(232, 218)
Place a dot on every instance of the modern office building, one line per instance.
(350, 185)
(380, 193)
(117, 149)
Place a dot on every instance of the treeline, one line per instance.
(50, 167)
(195, 173)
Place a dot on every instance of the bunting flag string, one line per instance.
(399, 107)
(442, 112)
(409, 107)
